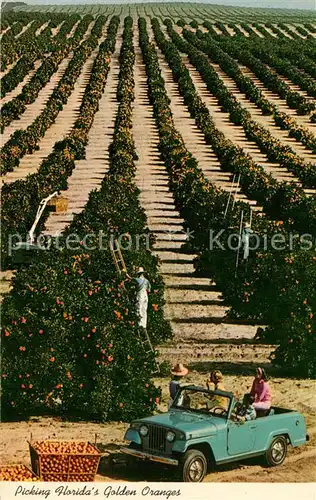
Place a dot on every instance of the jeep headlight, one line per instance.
(143, 430)
(170, 436)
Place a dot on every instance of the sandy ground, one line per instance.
(299, 466)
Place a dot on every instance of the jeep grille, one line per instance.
(156, 439)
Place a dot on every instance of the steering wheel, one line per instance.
(218, 410)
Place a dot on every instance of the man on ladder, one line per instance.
(142, 284)
(143, 289)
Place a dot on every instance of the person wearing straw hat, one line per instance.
(178, 371)
(216, 379)
(143, 289)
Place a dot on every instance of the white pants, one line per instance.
(262, 405)
(142, 304)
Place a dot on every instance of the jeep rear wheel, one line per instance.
(276, 453)
(193, 466)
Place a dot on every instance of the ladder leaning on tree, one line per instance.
(121, 268)
(117, 256)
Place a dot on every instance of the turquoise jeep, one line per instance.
(201, 429)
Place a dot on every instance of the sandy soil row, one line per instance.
(75, 27)
(236, 132)
(35, 108)
(302, 120)
(292, 85)
(264, 120)
(8, 68)
(283, 32)
(3, 32)
(88, 174)
(5, 282)
(26, 27)
(17, 90)
(41, 28)
(194, 138)
(258, 33)
(56, 30)
(193, 305)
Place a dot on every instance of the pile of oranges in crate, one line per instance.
(65, 447)
(64, 460)
(16, 473)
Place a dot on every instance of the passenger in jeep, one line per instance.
(247, 410)
(216, 379)
(261, 391)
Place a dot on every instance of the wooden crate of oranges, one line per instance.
(58, 204)
(64, 460)
(17, 473)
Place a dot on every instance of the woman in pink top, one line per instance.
(261, 391)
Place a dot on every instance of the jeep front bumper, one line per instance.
(149, 456)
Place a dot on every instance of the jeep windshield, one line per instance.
(201, 400)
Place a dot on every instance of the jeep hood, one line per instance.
(192, 424)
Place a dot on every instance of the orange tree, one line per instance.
(71, 341)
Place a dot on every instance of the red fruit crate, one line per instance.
(64, 461)
(19, 472)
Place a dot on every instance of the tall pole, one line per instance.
(230, 194)
(239, 241)
(237, 186)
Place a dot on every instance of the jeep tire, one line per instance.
(193, 466)
(276, 453)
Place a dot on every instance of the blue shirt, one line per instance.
(173, 388)
(142, 284)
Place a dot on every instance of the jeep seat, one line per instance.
(265, 413)
(262, 413)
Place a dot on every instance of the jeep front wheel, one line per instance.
(276, 453)
(193, 466)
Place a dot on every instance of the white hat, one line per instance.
(140, 270)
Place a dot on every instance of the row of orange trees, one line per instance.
(247, 55)
(25, 50)
(280, 200)
(274, 285)
(26, 141)
(253, 93)
(267, 143)
(71, 342)
(11, 47)
(14, 108)
(54, 171)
